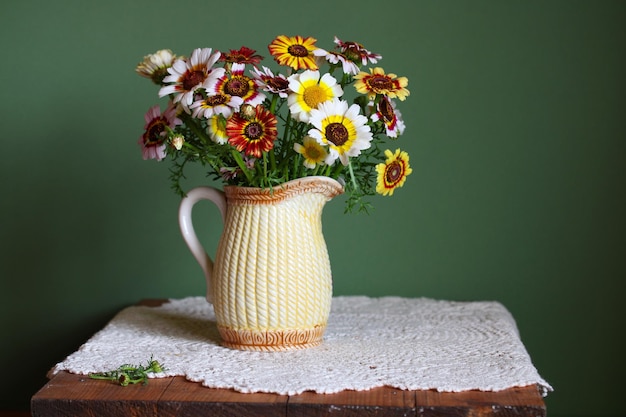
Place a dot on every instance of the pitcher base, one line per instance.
(271, 340)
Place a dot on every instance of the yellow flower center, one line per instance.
(314, 95)
(313, 152)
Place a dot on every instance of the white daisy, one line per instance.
(308, 91)
(341, 128)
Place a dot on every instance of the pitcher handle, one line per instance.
(185, 222)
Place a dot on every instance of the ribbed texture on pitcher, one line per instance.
(272, 277)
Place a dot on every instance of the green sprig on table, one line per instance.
(130, 374)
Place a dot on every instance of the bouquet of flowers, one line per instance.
(253, 126)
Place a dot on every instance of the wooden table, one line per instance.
(77, 395)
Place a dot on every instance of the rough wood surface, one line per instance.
(76, 395)
(384, 401)
(184, 398)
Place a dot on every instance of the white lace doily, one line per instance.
(405, 343)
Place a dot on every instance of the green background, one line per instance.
(515, 127)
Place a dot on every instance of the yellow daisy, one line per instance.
(312, 151)
(393, 172)
(295, 52)
(377, 82)
(216, 128)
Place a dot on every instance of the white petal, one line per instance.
(309, 75)
(328, 80)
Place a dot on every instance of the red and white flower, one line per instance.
(153, 141)
(267, 81)
(237, 84)
(356, 52)
(391, 117)
(186, 76)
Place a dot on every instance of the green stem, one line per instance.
(287, 128)
(272, 160)
(242, 165)
(336, 171)
(296, 161)
(356, 187)
(273, 104)
(103, 376)
(192, 147)
(265, 165)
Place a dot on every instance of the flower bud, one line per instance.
(247, 111)
(177, 141)
(154, 66)
(123, 379)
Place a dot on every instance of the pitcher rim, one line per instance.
(326, 186)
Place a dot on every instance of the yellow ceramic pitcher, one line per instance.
(270, 284)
